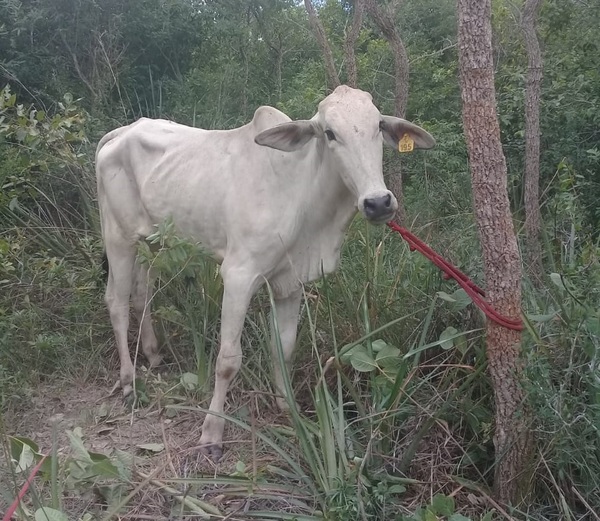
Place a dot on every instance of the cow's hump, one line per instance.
(267, 117)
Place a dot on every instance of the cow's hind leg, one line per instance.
(285, 317)
(121, 260)
(239, 287)
(142, 295)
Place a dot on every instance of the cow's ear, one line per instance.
(287, 136)
(394, 129)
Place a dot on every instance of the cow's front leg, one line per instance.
(239, 287)
(285, 321)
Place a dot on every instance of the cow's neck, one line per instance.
(326, 210)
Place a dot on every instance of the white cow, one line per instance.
(270, 200)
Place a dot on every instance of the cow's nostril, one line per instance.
(378, 208)
(370, 204)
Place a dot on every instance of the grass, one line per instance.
(366, 442)
(393, 412)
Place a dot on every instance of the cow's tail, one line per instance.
(105, 266)
(109, 136)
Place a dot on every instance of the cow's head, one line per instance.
(350, 131)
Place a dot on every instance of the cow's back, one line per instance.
(208, 181)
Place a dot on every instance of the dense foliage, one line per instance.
(72, 69)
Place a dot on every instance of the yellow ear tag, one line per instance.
(406, 144)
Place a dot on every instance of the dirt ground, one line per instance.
(108, 424)
(162, 436)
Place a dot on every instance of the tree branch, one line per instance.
(333, 79)
(350, 42)
(384, 18)
(77, 68)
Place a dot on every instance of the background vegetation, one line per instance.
(400, 422)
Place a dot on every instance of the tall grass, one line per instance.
(393, 414)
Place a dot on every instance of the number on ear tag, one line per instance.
(406, 144)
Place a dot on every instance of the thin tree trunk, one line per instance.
(498, 242)
(532, 142)
(278, 74)
(385, 19)
(333, 79)
(350, 42)
(274, 43)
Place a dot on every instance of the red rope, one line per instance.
(452, 272)
(15, 504)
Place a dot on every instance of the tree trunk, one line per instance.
(385, 19)
(350, 42)
(498, 242)
(333, 79)
(532, 142)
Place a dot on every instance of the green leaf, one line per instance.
(105, 469)
(77, 445)
(458, 300)
(396, 489)
(17, 443)
(443, 505)
(347, 355)
(542, 318)
(98, 456)
(461, 344)
(189, 381)
(458, 517)
(124, 462)
(378, 345)
(25, 459)
(444, 296)
(430, 516)
(558, 280)
(447, 337)
(103, 410)
(112, 494)
(50, 514)
(389, 356)
(362, 361)
(592, 324)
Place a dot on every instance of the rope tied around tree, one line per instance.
(452, 272)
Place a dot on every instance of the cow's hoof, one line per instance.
(155, 360)
(213, 451)
(127, 391)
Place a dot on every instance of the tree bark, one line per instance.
(498, 242)
(333, 79)
(532, 142)
(385, 19)
(350, 42)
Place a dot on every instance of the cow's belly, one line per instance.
(198, 198)
(194, 213)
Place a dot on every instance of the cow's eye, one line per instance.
(330, 135)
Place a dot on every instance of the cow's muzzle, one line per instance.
(380, 209)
